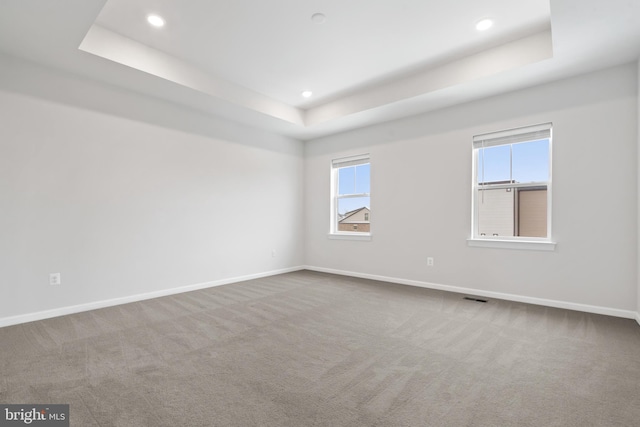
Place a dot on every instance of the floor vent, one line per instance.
(475, 299)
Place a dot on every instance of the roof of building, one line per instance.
(353, 212)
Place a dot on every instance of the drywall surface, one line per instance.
(421, 195)
(123, 206)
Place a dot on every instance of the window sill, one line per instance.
(530, 245)
(350, 236)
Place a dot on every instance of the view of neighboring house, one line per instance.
(355, 220)
(513, 212)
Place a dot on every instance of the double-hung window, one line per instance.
(512, 187)
(351, 196)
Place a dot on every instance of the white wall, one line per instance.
(422, 165)
(127, 195)
(123, 206)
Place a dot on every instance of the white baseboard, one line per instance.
(627, 314)
(40, 315)
(31, 317)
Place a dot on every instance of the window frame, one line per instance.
(501, 138)
(336, 164)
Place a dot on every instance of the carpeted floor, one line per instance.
(311, 349)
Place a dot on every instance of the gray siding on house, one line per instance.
(496, 215)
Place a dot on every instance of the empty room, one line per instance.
(319, 213)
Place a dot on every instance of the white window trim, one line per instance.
(344, 235)
(503, 242)
(531, 245)
(333, 225)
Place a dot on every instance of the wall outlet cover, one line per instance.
(54, 279)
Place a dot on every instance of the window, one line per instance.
(350, 196)
(512, 185)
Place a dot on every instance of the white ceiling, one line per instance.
(369, 61)
(274, 48)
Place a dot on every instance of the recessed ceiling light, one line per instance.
(155, 20)
(307, 93)
(483, 25)
(318, 18)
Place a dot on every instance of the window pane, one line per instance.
(362, 178)
(350, 204)
(531, 161)
(494, 164)
(346, 180)
(512, 212)
(354, 214)
(532, 212)
(496, 212)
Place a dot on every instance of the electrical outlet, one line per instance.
(55, 279)
(273, 253)
(430, 261)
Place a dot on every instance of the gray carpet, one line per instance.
(312, 349)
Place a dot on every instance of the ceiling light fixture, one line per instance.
(318, 18)
(307, 93)
(155, 20)
(483, 25)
